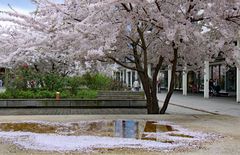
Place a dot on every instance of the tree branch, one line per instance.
(144, 49)
(190, 8)
(122, 64)
(231, 19)
(125, 7)
(132, 61)
(158, 5)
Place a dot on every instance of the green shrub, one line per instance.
(116, 85)
(54, 82)
(86, 94)
(30, 94)
(66, 94)
(44, 94)
(74, 83)
(97, 81)
(23, 94)
(6, 95)
(25, 82)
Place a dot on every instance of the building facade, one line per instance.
(228, 78)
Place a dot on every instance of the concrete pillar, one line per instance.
(125, 75)
(127, 82)
(149, 70)
(113, 75)
(206, 79)
(169, 75)
(131, 78)
(122, 75)
(238, 74)
(136, 76)
(184, 81)
(238, 85)
(123, 78)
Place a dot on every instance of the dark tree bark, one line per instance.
(171, 89)
(150, 92)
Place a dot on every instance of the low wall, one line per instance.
(71, 103)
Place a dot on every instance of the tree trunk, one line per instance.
(171, 89)
(152, 105)
(150, 92)
(155, 107)
(152, 102)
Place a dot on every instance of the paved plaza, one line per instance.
(196, 102)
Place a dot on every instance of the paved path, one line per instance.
(215, 105)
(104, 111)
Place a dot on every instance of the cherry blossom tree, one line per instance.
(179, 34)
(183, 33)
(135, 33)
(226, 26)
(61, 28)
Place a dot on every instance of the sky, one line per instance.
(21, 5)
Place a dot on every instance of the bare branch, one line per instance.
(121, 63)
(125, 7)
(132, 61)
(234, 19)
(158, 5)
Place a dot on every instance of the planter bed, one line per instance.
(73, 103)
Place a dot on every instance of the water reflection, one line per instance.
(116, 128)
(126, 129)
(133, 129)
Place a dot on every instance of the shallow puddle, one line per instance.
(153, 127)
(116, 128)
(102, 134)
(28, 127)
(98, 128)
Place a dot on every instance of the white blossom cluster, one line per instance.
(137, 31)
